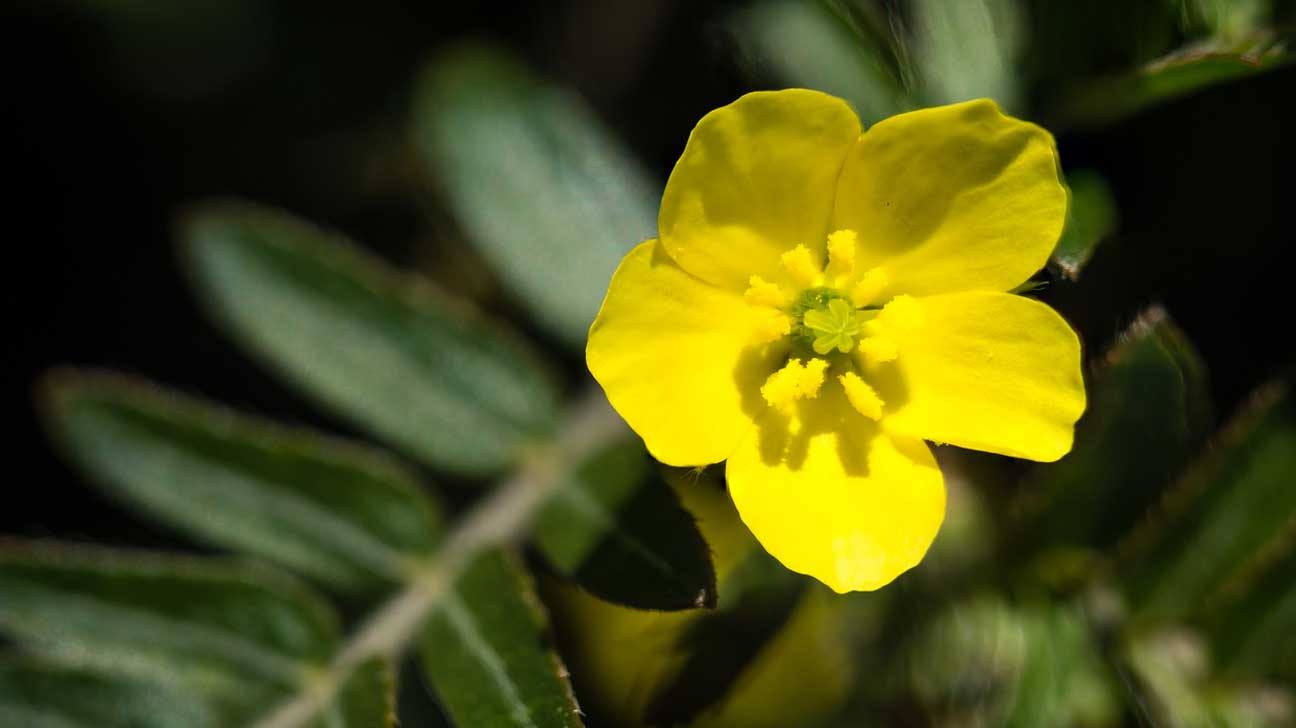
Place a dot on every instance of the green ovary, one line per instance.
(828, 321)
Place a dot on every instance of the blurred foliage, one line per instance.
(1144, 579)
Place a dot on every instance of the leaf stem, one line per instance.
(501, 518)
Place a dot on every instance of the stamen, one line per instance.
(841, 255)
(862, 397)
(869, 287)
(803, 267)
(878, 349)
(761, 292)
(774, 327)
(903, 313)
(780, 389)
(811, 379)
(794, 381)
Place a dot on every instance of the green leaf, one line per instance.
(967, 661)
(968, 49)
(1091, 218)
(1228, 18)
(383, 349)
(808, 45)
(1185, 71)
(1252, 625)
(1123, 455)
(544, 191)
(1225, 525)
(367, 700)
(1167, 670)
(983, 661)
(1169, 673)
(41, 694)
(486, 652)
(237, 636)
(1064, 679)
(619, 531)
(336, 511)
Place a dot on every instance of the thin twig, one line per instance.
(499, 519)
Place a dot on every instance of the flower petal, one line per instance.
(953, 198)
(675, 358)
(830, 495)
(756, 178)
(987, 371)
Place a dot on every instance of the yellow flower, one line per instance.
(822, 300)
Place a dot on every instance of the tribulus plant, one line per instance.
(889, 412)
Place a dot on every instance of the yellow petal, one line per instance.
(829, 494)
(675, 357)
(755, 180)
(987, 371)
(953, 198)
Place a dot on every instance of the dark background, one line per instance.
(113, 123)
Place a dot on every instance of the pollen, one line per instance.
(803, 267)
(761, 292)
(774, 327)
(869, 287)
(861, 395)
(811, 379)
(794, 381)
(841, 254)
(878, 349)
(902, 312)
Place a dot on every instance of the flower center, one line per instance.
(825, 319)
(837, 315)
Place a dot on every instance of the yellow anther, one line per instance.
(878, 349)
(794, 381)
(780, 390)
(902, 313)
(841, 254)
(869, 287)
(761, 292)
(803, 267)
(774, 327)
(811, 379)
(861, 395)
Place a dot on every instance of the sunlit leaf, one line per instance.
(805, 44)
(968, 50)
(619, 531)
(486, 652)
(1091, 218)
(383, 349)
(336, 511)
(236, 636)
(544, 191)
(40, 694)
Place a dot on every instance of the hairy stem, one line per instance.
(501, 518)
